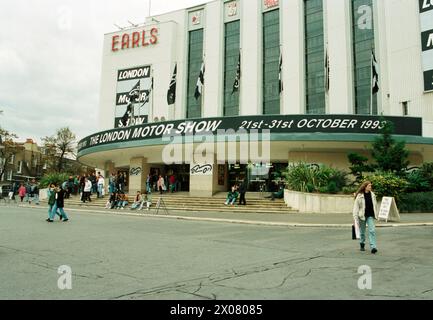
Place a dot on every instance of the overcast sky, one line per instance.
(50, 60)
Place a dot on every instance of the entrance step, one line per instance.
(183, 202)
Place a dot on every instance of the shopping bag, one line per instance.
(356, 234)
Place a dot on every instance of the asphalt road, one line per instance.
(121, 257)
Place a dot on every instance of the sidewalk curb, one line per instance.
(237, 221)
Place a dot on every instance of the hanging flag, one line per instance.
(280, 74)
(148, 95)
(238, 76)
(327, 71)
(171, 94)
(134, 94)
(200, 83)
(127, 115)
(374, 74)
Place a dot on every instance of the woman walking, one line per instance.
(365, 212)
(22, 191)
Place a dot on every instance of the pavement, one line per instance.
(120, 256)
(284, 220)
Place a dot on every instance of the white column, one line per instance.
(340, 56)
(292, 38)
(251, 45)
(213, 43)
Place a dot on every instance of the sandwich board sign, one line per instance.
(388, 210)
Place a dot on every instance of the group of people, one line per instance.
(237, 191)
(121, 201)
(158, 183)
(92, 184)
(26, 191)
(56, 203)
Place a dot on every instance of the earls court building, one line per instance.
(298, 74)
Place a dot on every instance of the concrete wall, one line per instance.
(318, 203)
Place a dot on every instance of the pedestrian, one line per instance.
(365, 212)
(22, 191)
(51, 194)
(148, 183)
(138, 202)
(172, 183)
(87, 191)
(59, 204)
(101, 185)
(232, 196)
(161, 184)
(242, 192)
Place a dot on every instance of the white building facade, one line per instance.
(307, 64)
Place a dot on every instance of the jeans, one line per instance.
(231, 201)
(100, 187)
(54, 211)
(371, 231)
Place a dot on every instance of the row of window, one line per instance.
(315, 73)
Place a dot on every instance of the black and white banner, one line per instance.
(276, 124)
(426, 16)
(133, 83)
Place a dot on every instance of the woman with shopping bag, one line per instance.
(364, 213)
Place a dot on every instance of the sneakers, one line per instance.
(49, 220)
(66, 220)
(362, 246)
(374, 251)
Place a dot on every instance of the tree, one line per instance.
(8, 149)
(58, 147)
(359, 166)
(390, 155)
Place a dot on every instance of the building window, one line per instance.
(271, 57)
(231, 60)
(9, 175)
(363, 46)
(20, 167)
(195, 59)
(12, 159)
(405, 108)
(314, 57)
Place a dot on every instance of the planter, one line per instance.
(43, 194)
(318, 203)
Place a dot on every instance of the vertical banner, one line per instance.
(133, 84)
(426, 17)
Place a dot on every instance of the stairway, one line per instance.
(184, 202)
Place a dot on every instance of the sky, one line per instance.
(51, 56)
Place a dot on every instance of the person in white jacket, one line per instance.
(365, 212)
(101, 185)
(87, 190)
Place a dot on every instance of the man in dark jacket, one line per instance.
(242, 192)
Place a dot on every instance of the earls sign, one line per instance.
(426, 15)
(135, 39)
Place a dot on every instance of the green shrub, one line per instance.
(57, 178)
(418, 182)
(307, 178)
(350, 189)
(416, 202)
(387, 184)
(332, 187)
